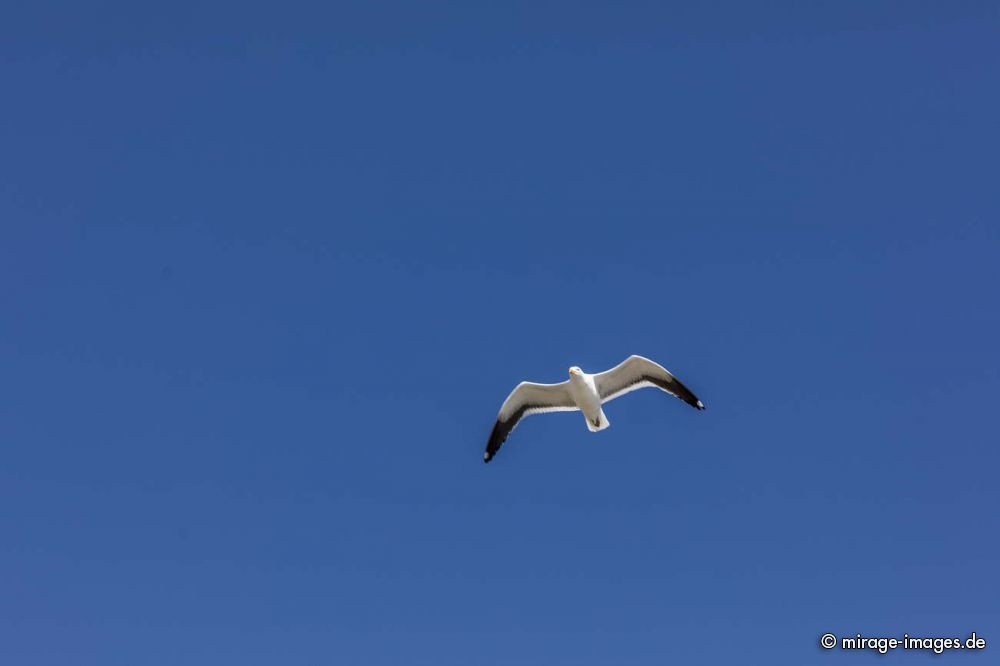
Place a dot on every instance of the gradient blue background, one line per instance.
(268, 271)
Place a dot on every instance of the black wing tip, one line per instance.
(496, 440)
(699, 405)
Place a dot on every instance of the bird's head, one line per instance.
(575, 371)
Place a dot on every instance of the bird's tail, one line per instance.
(602, 422)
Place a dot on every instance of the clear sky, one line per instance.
(268, 271)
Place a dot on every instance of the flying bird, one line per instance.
(585, 393)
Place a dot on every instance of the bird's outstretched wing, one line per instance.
(527, 398)
(637, 372)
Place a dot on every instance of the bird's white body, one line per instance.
(588, 400)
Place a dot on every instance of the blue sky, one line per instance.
(269, 271)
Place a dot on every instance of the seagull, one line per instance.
(585, 393)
